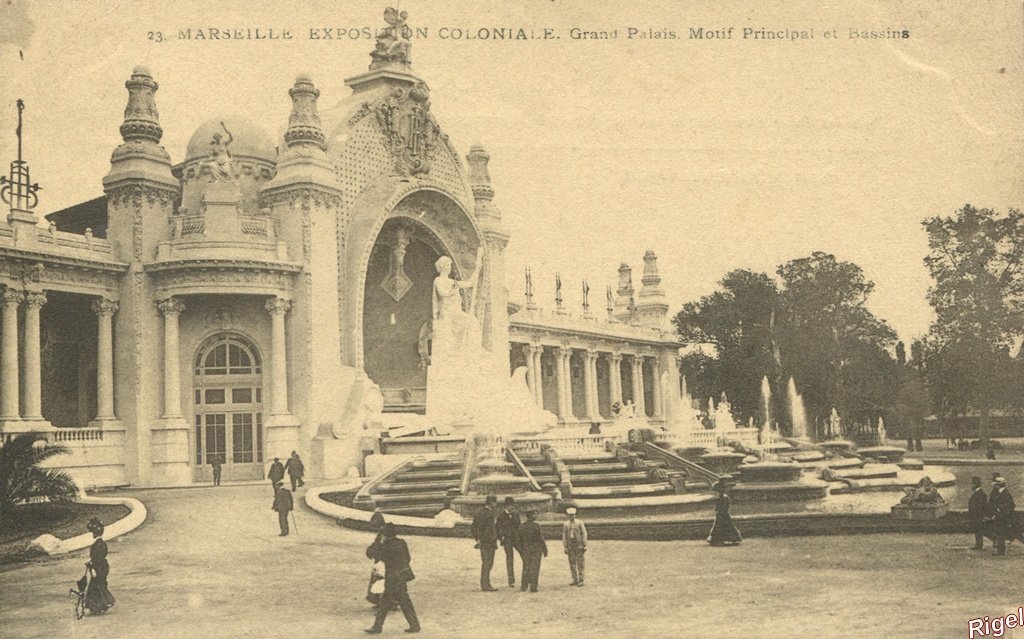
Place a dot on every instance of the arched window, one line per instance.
(228, 354)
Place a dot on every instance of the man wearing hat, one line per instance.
(574, 540)
(394, 552)
(276, 473)
(533, 547)
(1001, 510)
(977, 510)
(486, 536)
(507, 528)
(283, 504)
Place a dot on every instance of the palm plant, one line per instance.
(21, 477)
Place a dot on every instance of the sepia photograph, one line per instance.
(604, 318)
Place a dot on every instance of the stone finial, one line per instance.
(625, 279)
(304, 121)
(141, 119)
(479, 176)
(394, 43)
(651, 279)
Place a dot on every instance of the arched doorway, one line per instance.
(397, 300)
(228, 407)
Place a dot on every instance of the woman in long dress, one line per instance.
(97, 597)
(723, 532)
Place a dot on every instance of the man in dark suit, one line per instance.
(283, 504)
(276, 472)
(977, 510)
(507, 527)
(486, 540)
(1003, 515)
(533, 547)
(394, 552)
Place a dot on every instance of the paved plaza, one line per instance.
(208, 562)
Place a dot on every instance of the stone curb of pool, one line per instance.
(52, 545)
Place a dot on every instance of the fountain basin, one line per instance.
(498, 484)
(468, 505)
(722, 463)
(805, 489)
(808, 456)
(837, 445)
(769, 472)
(691, 453)
(890, 453)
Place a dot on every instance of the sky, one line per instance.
(717, 153)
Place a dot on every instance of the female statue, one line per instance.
(220, 163)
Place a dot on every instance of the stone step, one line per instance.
(427, 475)
(606, 492)
(419, 510)
(405, 487)
(586, 456)
(436, 464)
(598, 467)
(634, 477)
(547, 479)
(383, 500)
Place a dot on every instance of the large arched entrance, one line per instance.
(228, 406)
(397, 311)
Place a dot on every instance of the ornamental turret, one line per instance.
(651, 307)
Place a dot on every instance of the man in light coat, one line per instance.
(574, 540)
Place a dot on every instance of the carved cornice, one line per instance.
(135, 193)
(302, 196)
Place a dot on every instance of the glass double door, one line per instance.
(228, 428)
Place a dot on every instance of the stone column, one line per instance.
(561, 355)
(658, 410)
(171, 308)
(590, 379)
(32, 401)
(278, 307)
(615, 377)
(9, 357)
(528, 355)
(638, 386)
(105, 310)
(536, 373)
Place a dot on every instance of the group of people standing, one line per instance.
(993, 515)
(491, 528)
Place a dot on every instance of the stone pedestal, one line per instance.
(920, 512)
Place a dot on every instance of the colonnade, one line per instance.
(592, 360)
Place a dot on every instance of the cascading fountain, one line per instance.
(796, 412)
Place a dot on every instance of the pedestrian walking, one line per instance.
(574, 540)
(507, 528)
(283, 504)
(394, 553)
(533, 547)
(97, 596)
(216, 464)
(295, 469)
(276, 472)
(977, 511)
(723, 532)
(486, 536)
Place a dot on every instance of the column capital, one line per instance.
(170, 306)
(12, 296)
(35, 299)
(104, 306)
(278, 306)
(616, 357)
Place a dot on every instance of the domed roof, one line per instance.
(247, 140)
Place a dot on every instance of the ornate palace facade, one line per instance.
(260, 297)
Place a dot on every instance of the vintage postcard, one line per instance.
(537, 317)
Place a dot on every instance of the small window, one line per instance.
(215, 396)
(241, 395)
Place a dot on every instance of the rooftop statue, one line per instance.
(393, 41)
(221, 165)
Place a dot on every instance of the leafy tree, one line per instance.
(737, 320)
(834, 347)
(978, 296)
(22, 478)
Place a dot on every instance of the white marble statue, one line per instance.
(467, 386)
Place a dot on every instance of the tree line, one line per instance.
(810, 322)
